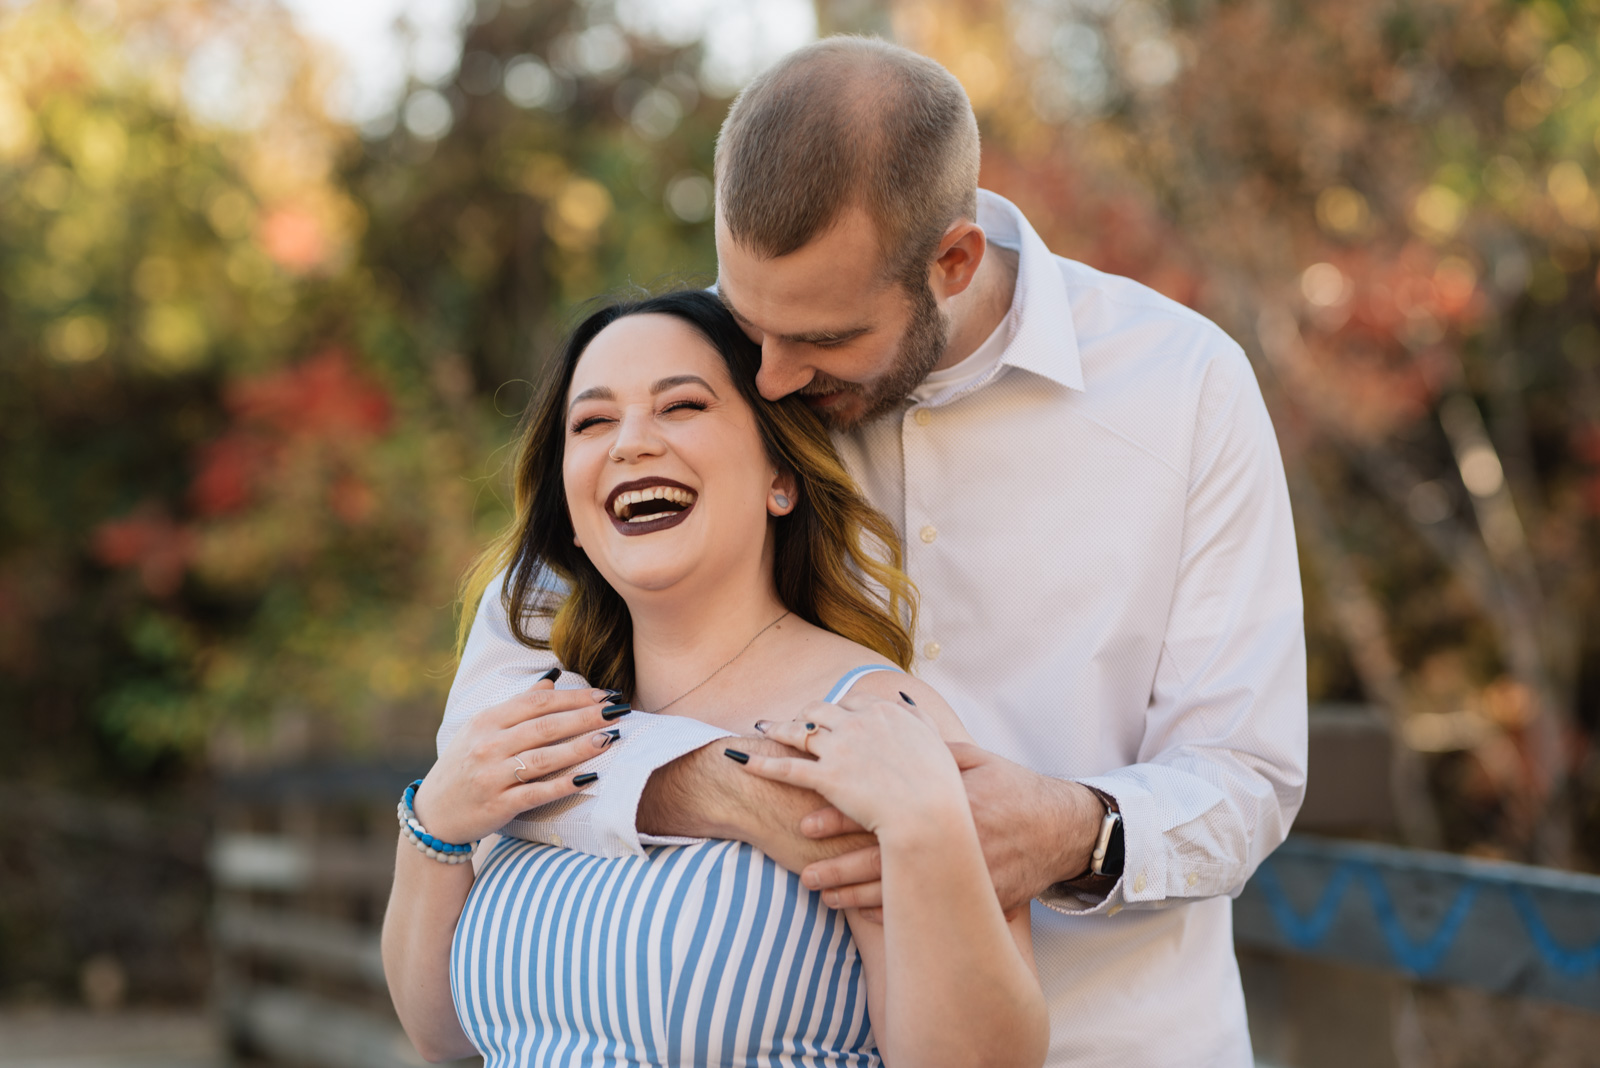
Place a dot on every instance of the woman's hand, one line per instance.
(950, 982)
(477, 787)
(882, 763)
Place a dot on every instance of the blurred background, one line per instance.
(274, 278)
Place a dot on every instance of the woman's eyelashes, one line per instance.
(588, 422)
(684, 405)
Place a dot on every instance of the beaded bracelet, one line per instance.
(411, 828)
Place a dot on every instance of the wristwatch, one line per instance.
(1106, 860)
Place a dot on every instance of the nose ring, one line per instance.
(614, 457)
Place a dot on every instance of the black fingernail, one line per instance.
(550, 676)
(585, 779)
(734, 754)
(763, 724)
(907, 699)
(613, 694)
(610, 736)
(617, 711)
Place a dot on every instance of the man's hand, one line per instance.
(1035, 831)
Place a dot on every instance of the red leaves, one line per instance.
(151, 542)
(323, 403)
(227, 473)
(307, 421)
(324, 396)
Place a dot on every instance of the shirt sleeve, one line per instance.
(1221, 771)
(601, 820)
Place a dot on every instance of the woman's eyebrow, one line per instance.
(661, 385)
(592, 393)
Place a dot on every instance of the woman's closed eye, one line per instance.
(589, 422)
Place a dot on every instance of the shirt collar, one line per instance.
(1044, 342)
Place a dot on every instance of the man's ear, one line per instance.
(960, 251)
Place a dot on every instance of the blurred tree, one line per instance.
(247, 375)
(565, 157)
(1388, 204)
(208, 507)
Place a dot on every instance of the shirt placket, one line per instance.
(920, 523)
(926, 494)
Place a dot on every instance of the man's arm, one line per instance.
(647, 782)
(706, 795)
(1221, 770)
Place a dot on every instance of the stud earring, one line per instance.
(780, 500)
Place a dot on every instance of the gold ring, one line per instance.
(812, 729)
(517, 772)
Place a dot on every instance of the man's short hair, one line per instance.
(849, 120)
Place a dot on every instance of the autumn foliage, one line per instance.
(257, 364)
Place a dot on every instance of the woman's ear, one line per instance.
(783, 495)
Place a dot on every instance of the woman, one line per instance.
(712, 546)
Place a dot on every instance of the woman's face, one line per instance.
(665, 475)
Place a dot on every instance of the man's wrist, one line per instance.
(1083, 812)
(1089, 826)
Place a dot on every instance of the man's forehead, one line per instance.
(831, 284)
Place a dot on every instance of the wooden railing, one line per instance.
(1506, 928)
(303, 857)
(302, 861)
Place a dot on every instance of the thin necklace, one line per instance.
(714, 674)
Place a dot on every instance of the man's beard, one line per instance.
(921, 348)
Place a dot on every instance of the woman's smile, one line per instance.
(646, 505)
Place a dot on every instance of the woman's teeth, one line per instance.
(676, 500)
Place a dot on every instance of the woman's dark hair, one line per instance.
(837, 565)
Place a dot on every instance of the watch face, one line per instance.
(1114, 852)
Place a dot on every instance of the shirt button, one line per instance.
(1192, 878)
(1113, 910)
(555, 840)
(928, 534)
(932, 650)
(923, 417)
(1138, 884)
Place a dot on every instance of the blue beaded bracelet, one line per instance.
(411, 827)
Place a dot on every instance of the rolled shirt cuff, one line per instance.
(1141, 850)
(603, 820)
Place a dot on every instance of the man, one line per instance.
(1092, 503)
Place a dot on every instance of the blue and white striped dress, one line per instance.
(705, 954)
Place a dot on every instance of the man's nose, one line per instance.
(781, 373)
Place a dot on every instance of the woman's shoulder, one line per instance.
(895, 685)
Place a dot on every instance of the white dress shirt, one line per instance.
(1094, 510)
